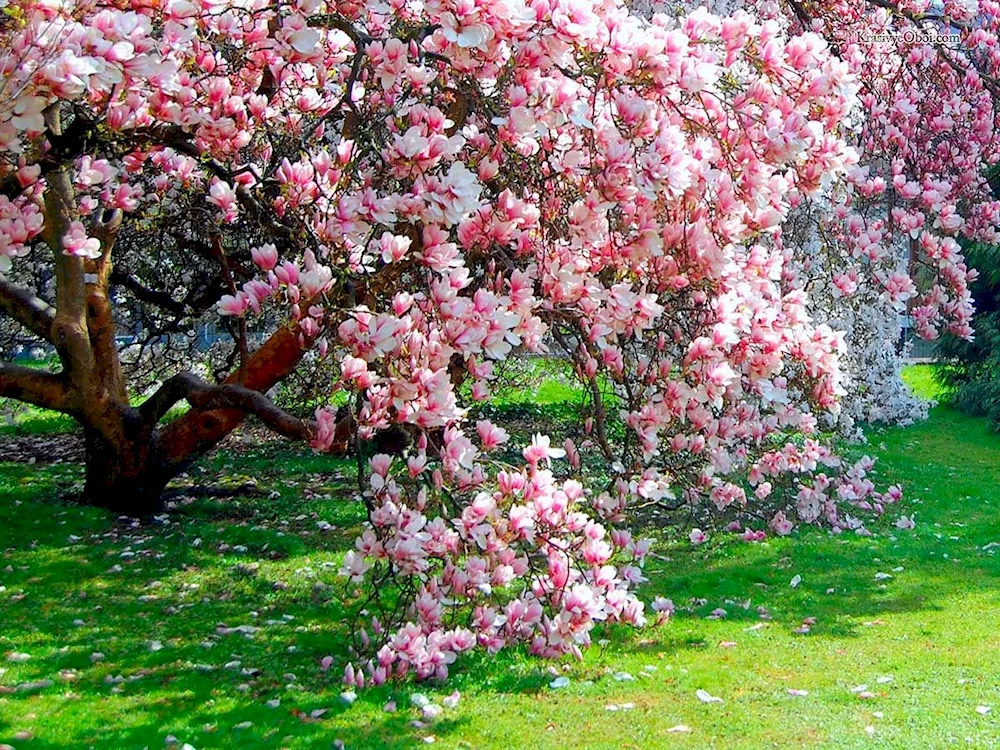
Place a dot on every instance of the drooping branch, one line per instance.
(37, 387)
(202, 395)
(201, 428)
(22, 305)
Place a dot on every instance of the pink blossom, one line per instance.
(490, 436)
(265, 256)
(676, 209)
(222, 195)
(76, 242)
(780, 524)
(540, 449)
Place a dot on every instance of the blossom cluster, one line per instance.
(523, 560)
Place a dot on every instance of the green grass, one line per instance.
(934, 627)
(921, 381)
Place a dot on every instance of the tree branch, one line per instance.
(205, 396)
(197, 431)
(38, 387)
(65, 146)
(69, 330)
(176, 139)
(145, 294)
(227, 276)
(22, 305)
(100, 320)
(801, 14)
(915, 17)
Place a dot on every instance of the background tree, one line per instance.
(971, 369)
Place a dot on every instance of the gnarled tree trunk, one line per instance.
(125, 474)
(130, 456)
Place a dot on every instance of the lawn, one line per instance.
(209, 628)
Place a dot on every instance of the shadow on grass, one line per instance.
(248, 726)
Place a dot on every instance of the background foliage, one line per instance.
(970, 372)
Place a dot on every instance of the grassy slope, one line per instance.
(933, 627)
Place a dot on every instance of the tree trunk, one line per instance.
(123, 473)
(130, 458)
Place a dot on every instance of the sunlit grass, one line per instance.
(263, 557)
(921, 380)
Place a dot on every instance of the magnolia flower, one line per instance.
(540, 449)
(304, 41)
(233, 305)
(394, 247)
(76, 242)
(490, 435)
(265, 257)
(466, 35)
(221, 194)
(28, 113)
(905, 522)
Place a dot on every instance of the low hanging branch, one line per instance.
(22, 305)
(203, 395)
(207, 423)
(36, 387)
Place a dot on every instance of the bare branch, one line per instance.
(100, 320)
(202, 395)
(801, 14)
(38, 387)
(227, 275)
(22, 305)
(145, 294)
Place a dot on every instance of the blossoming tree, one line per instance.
(416, 191)
(926, 136)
